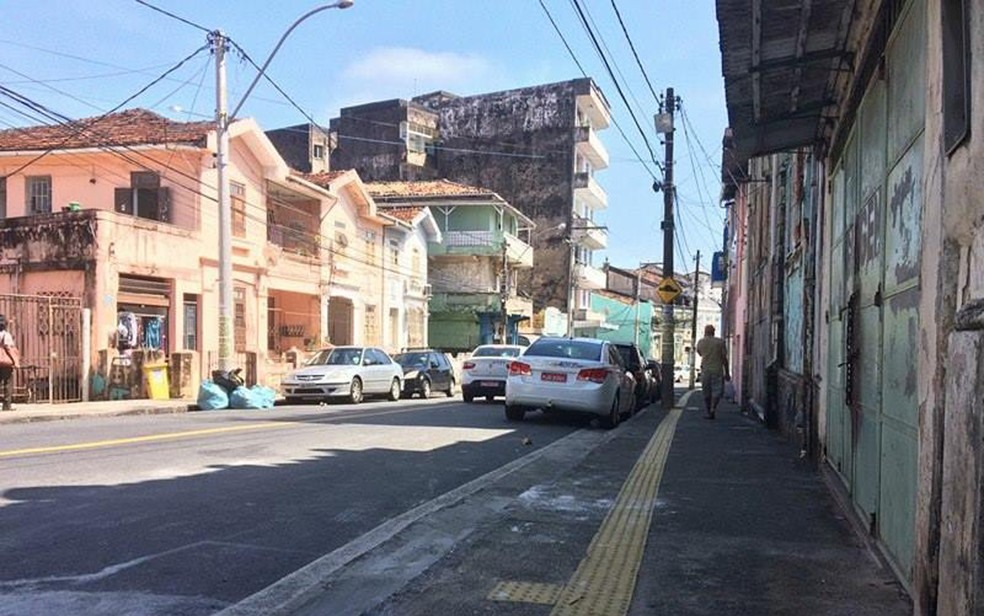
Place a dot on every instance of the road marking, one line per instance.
(142, 439)
(344, 414)
(605, 579)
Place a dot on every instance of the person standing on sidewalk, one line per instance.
(713, 370)
(9, 359)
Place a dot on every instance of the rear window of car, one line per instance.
(495, 352)
(628, 355)
(571, 349)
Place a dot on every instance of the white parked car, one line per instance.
(484, 373)
(345, 372)
(574, 375)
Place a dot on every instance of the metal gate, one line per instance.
(48, 333)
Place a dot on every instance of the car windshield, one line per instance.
(572, 349)
(412, 359)
(496, 352)
(337, 357)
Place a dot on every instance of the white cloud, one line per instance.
(403, 65)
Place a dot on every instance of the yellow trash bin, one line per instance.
(156, 381)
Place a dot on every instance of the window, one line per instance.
(37, 189)
(3, 197)
(239, 318)
(190, 322)
(144, 197)
(319, 151)
(370, 251)
(371, 325)
(956, 72)
(237, 194)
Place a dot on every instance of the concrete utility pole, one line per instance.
(222, 118)
(693, 326)
(504, 292)
(668, 329)
(219, 45)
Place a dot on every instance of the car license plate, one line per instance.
(489, 383)
(554, 377)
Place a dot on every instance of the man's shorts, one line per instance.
(712, 385)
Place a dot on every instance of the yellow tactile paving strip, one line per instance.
(605, 579)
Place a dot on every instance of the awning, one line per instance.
(780, 59)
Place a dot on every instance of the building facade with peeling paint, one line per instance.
(120, 215)
(887, 96)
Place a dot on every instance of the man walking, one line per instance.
(713, 370)
(9, 358)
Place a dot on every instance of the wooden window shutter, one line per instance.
(123, 200)
(164, 204)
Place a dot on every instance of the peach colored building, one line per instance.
(121, 212)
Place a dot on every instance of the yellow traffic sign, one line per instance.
(668, 290)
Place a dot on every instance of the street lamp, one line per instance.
(222, 118)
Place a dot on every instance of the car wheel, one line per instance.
(610, 421)
(490, 398)
(355, 391)
(467, 397)
(396, 390)
(425, 389)
(515, 413)
(292, 400)
(450, 391)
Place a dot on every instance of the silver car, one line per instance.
(574, 375)
(345, 372)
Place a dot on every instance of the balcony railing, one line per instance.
(589, 191)
(590, 146)
(589, 235)
(485, 243)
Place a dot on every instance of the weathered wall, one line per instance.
(368, 140)
(294, 145)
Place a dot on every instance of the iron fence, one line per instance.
(48, 333)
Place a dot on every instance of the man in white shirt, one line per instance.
(713, 369)
(8, 361)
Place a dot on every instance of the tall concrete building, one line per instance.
(538, 147)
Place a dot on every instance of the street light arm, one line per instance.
(341, 4)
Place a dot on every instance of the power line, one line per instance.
(88, 124)
(628, 38)
(584, 73)
(173, 16)
(611, 74)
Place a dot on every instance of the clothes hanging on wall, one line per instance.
(127, 331)
(152, 333)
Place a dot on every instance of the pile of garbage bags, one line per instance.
(228, 390)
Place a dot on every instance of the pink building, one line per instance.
(120, 213)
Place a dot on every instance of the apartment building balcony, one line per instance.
(590, 146)
(587, 319)
(589, 191)
(484, 243)
(589, 277)
(588, 234)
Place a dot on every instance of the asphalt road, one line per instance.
(187, 514)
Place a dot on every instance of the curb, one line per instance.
(14, 418)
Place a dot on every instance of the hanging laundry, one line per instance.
(152, 333)
(126, 331)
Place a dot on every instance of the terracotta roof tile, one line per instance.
(426, 188)
(130, 127)
(406, 214)
(323, 178)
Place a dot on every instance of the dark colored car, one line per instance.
(636, 364)
(425, 371)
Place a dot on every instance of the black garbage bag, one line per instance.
(228, 380)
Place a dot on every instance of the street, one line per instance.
(421, 507)
(188, 513)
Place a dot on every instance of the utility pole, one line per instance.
(638, 288)
(504, 291)
(668, 328)
(219, 45)
(693, 326)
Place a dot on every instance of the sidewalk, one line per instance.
(28, 413)
(739, 525)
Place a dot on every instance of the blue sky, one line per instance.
(96, 53)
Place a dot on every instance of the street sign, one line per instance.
(668, 290)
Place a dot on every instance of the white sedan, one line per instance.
(575, 375)
(484, 373)
(345, 372)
